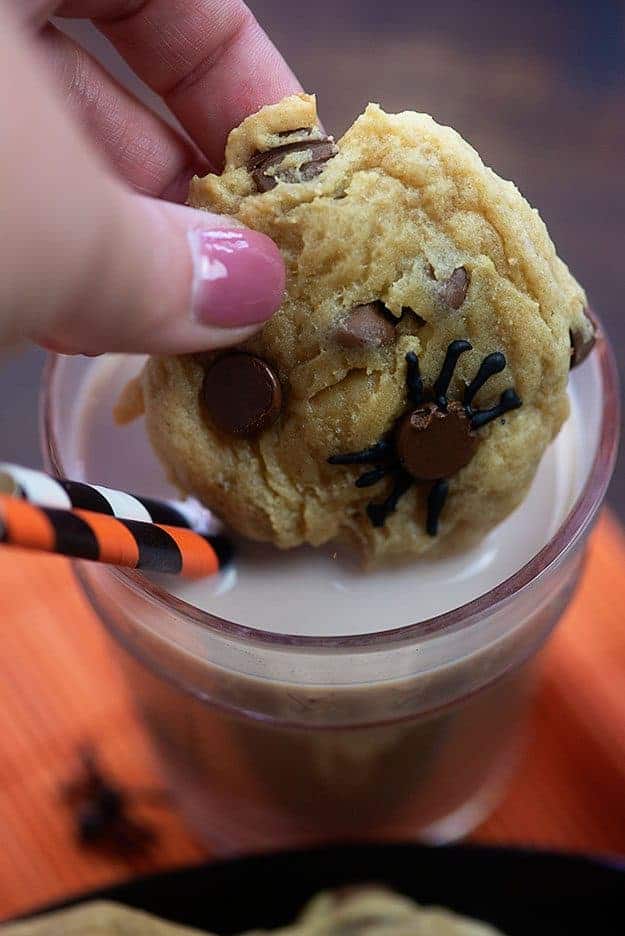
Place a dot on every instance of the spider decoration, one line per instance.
(434, 439)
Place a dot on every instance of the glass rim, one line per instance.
(564, 539)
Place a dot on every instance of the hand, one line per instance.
(93, 257)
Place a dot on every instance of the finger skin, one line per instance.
(209, 59)
(147, 153)
(89, 266)
(34, 13)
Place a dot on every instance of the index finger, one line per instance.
(210, 60)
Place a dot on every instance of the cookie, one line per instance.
(97, 918)
(373, 910)
(402, 397)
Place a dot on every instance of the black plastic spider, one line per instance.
(434, 439)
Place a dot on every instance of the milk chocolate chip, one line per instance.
(286, 133)
(320, 151)
(434, 443)
(366, 326)
(582, 345)
(453, 290)
(241, 393)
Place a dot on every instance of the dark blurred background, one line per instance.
(537, 87)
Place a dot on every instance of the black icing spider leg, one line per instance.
(375, 475)
(368, 456)
(455, 349)
(507, 401)
(436, 502)
(492, 364)
(414, 381)
(378, 513)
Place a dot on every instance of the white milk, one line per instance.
(322, 592)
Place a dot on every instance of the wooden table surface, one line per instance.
(60, 687)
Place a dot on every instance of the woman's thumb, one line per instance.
(162, 278)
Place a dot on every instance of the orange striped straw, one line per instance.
(134, 544)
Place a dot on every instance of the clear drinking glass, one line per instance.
(271, 740)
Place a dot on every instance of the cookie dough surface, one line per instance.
(96, 918)
(401, 213)
(375, 911)
(359, 912)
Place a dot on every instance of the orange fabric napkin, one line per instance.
(59, 687)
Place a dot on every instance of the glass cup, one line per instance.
(271, 740)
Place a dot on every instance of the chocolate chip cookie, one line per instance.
(375, 911)
(402, 397)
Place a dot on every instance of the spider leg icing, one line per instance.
(378, 513)
(440, 388)
(492, 364)
(414, 381)
(375, 475)
(507, 401)
(436, 502)
(368, 456)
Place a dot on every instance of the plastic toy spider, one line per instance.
(434, 439)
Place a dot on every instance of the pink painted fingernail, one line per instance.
(238, 277)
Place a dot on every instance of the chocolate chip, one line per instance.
(367, 325)
(453, 290)
(433, 443)
(286, 133)
(241, 393)
(582, 345)
(320, 152)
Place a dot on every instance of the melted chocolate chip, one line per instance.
(453, 290)
(434, 443)
(241, 393)
(286, 133)
(367, 325)
(581, 346)
(320, 152)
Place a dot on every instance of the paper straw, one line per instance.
(45, 491)
(135, 544)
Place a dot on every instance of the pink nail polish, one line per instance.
(238, 277)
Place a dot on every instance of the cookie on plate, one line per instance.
(376, 911)
(96, 918)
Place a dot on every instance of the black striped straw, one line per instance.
(43, 490)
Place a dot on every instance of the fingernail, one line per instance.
(238, 277)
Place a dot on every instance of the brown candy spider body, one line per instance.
(434, 439)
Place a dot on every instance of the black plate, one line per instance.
(525, 893)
